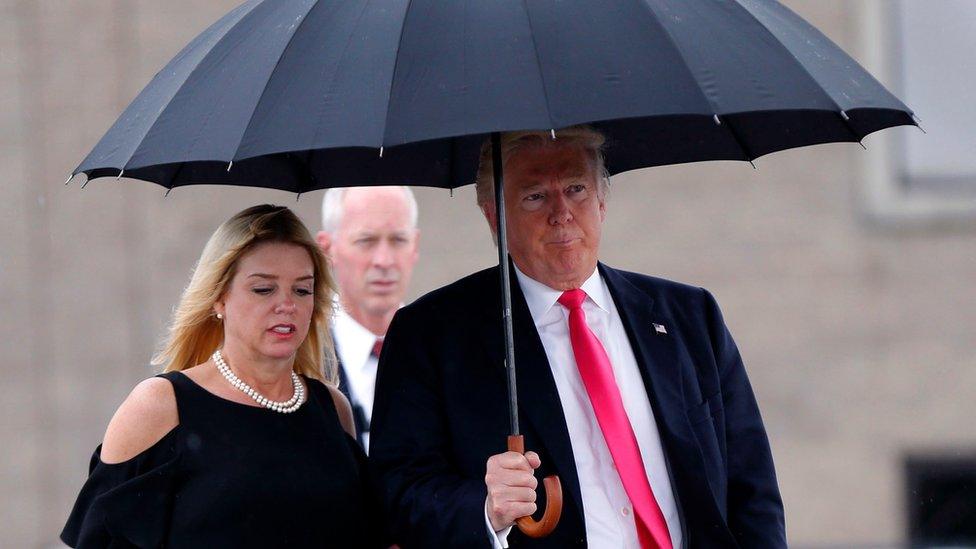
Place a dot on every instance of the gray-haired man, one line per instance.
(371, 236)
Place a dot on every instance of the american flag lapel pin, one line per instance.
(659, 328)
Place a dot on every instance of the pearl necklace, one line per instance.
(285, 407)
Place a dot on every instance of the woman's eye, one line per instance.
(303, 292)
(263, 291)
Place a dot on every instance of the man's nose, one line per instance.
(559, 212)
(383, 255)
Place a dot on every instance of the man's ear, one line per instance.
(324, 241)
(602, 196)
(489, 211)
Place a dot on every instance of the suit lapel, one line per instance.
(540, 410)
(658, 357)
(656, 354)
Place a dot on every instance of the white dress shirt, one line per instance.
(607, 512)
(354, 345)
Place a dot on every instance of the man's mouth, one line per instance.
(564, 241)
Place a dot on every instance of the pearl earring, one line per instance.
(220, 316)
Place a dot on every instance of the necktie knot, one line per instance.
(377, 347)
(572, 299)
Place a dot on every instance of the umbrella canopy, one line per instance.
(306, 94)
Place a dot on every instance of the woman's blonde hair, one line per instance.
(195, 332)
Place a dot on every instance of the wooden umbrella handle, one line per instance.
(554, 500)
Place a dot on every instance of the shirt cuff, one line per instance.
(499, 540)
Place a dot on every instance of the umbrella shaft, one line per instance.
(502, 238)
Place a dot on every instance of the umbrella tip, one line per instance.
(553, 133)
(381, 152)
(918, 123)
(861, 143)
(451, 192)
(168, 190)
(230, 165)
(718, 121)
(85, 184)
(122, 171)
(70, 177)
(298, 197)
(753, 165)
(843, 114)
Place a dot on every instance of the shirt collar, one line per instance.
(541, 298)
(357, 341)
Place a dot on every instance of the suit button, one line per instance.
(625, 511)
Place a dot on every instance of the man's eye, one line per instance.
(534, 197)
(577, 188)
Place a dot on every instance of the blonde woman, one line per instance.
(244, 440)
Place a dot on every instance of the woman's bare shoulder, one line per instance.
(343, 408)
(146, 415)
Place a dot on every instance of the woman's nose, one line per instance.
(286, 306)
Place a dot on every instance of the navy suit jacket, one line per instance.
(441, 411)
(358, 413)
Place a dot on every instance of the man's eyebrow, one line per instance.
(532, 188)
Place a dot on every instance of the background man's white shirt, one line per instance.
(607, 511)
(354, 346)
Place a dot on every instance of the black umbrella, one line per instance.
(306, 94)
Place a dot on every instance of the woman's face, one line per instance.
(267, 307)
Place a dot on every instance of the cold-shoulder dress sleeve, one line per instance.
(127, 504)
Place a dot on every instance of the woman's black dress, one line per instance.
(232, 475)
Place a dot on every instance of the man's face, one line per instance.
(555, 214)
(373, 251)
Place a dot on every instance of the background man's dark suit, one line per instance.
(440, 412)
(358, 414)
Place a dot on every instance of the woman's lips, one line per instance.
(282, 331)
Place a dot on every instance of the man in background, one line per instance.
(371, 236)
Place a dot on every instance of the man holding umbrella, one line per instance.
(631, 387)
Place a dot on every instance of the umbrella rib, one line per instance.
(338, 67)
(841, 113)
(538, 62)
(713, 107)
(244, 13)
(396, 65)
(173, 178)
(264, 90)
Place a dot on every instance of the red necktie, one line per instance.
(597, 373)
(377, 347)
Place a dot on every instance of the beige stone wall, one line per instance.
(858, 339)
